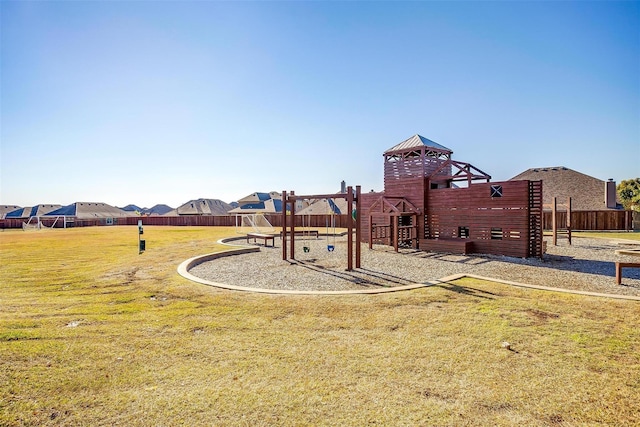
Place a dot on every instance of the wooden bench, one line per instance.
(455, 246)
(265, 237)
(303, 233)
(620, 266)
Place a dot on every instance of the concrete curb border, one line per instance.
(183, 270)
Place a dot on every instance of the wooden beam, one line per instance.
(284, 225)
(293, 225)
(569, 220)
(554, 221)
(370, 231)
(349, 230)
(358, 226)
(293, 197)
(394, 232)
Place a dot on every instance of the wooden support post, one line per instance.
(358, 226)
(554, 222)
(293, 226)
(349, 230)
(569, 220)
(370, 232)
(394, 231)
(284, 225)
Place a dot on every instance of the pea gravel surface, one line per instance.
(586, 265)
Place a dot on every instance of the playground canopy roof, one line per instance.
(417, 141)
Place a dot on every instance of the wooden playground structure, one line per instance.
(434, 203)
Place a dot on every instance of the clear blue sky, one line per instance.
(161, 102)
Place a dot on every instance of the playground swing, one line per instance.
(331, 248)
(306, 248)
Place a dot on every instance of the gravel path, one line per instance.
(587, 265)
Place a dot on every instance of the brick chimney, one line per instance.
(610, 194)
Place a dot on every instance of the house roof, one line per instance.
(335, 206)
(270, 202)
(28, 212)
(587, 193)
(5, 209)
(259, 197)
(202, 207)
(418, 141)
(160, 209)
(87, 210)
(266, 206)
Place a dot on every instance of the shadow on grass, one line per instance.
(466, 290)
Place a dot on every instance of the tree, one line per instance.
(629, 193)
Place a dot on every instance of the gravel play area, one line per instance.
(587, 265)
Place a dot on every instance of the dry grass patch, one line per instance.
(91, 333)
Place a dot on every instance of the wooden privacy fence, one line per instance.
(593, 220)
(316, 221)
(580, 220)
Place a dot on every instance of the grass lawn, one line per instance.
(608, 235)
(92, 333)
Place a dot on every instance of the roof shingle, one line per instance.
(587, 193)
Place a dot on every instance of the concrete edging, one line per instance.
(185, 266)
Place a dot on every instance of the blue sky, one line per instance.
(161, 102)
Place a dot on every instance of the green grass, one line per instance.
(92, 333)
(608, 235)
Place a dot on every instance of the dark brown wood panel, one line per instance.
(497, 225)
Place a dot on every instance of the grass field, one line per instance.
(92, 333)
(608, 235)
